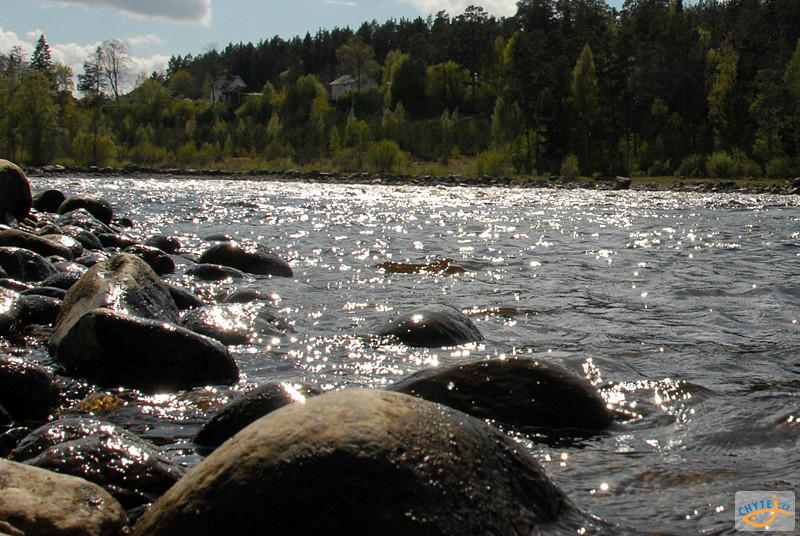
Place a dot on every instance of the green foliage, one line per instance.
(88, 151)
(692, 166)
(385, 156)
(570, 169)
(720, 165)
(782, 167)
(493, 164)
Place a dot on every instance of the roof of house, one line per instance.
(232, 83)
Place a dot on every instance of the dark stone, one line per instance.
(90, 259)
(65, 278)
(84, 237)
(16, 286)
(160, 262)
(94, 205)
(167, 244)
(10, 310)
(74, 246)
(621, 183)
(246, 296)
(32, 242)
(519, 392)
(11, 438)
(43, 290)
(183, 298)
(114, 240)
(214, 272)
(131, 469)
(40, 310)
(83, 219)
(113, 349)
(362, 461)
(17, 198)
(432, 326)
(249, 258)
(27, 391)
(251, 406)
(25, 265)
(235, 323)
(48, 200)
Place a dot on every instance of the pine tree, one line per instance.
(41, 60)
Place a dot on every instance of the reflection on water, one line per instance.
(681, 308)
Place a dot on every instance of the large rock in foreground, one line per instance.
(16, 199)
(432, 326)
(520, 392)
(43, 503)
(362, 461)
(247, 257)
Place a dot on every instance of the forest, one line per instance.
(563, 87)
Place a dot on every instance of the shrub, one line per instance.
(782, 167)
(720, 165)
(384, 155)
(493, 164)
(692, 166)
(570, 168)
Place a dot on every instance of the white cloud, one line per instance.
(180, 11)
(341, 3)
(9, 40)
(498, 8)
(149, 39)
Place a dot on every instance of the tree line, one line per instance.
(570, 87)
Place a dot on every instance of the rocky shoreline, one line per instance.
(420, 457)
(788, 187)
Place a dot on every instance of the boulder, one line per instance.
(38, 309)
(43, 246)
(214, 272)
(246, 296)
(361, 461)
(84, 237)
(28, 392)
(432, 326)
(621, 183)
(83, 219)
(520, 392)
(160, 262)
(25, 265)
(247, 257)
(64, 279)
(17, 199)
(236, 323)
(37, 502)
(94, 205)
(251, 406)
(10, 310)
(74, 246)
(48, 200)
(113, 349)
(184, 299)
(167, 244)
(114, 240)
(134, 471)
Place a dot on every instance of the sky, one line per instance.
(155, 30)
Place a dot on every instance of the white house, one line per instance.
(346, 83)
(229, 90)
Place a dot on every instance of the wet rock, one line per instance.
(246, 296)
(25, 265)
(249, 258)
(39, 309)
(443, 266)
(214, 272)
(50, 292)
(17, 199)
(519, 392)
(364, 462)
(167, 244)
(84, 237)
(621, 183)
(83, 219)
(251, 406)
(16, 286)
(432, 326)
(113, 349)
(32, 242)
(114, 240)
(11, 437)
(28, 392)
(65, 278)
(183, 298)
(37, 502)
(10, 310)
(94, 205)
(236, 323)
(48, 200)
(160, 262)
(90, 259)
(134, 471)
(75, 248)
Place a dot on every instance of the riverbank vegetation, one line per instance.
(564, 87)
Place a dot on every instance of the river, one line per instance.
(682, 308)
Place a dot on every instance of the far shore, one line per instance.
(678, 184)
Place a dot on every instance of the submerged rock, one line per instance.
(167, 244)
(362, 461)
(214, 272)
(36, 502)
(251, 406)
(249, 258)
(235, 323)
(17, 198)
(432, 326)
(129, 468)
(520, 392)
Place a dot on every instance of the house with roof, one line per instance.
(229, 90)
(346, 83)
